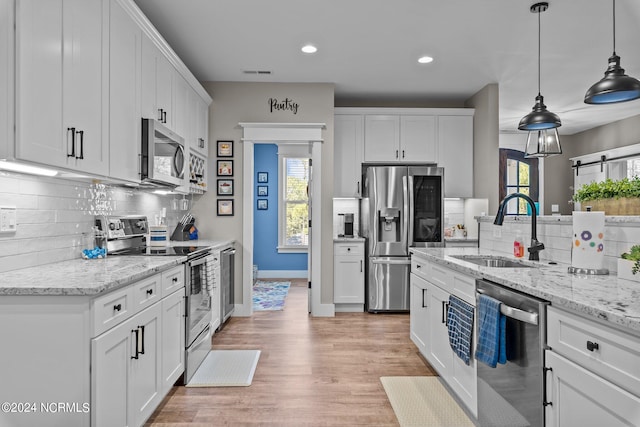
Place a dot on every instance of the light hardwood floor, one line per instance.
(311, 372)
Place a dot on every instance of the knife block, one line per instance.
(181, 232)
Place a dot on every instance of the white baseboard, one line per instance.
(283, 274)
(349, 308)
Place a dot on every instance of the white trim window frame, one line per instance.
(284, 246)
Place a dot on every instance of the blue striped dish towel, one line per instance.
(460, 327)
(491, 332)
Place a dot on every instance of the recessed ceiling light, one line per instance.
(309, 48)
(425, 59)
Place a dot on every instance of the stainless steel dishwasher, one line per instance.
(227, 284)
(512, 394)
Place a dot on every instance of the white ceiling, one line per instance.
(369, 49)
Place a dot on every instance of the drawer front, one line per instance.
(343, 249)
(465, 288)
(111, 309)
(420, 268)
(172, 280)
(605, 351)
(146, 292)
(441, 276)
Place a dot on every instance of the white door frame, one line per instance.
(281, 133)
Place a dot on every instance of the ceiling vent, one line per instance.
(258, 72)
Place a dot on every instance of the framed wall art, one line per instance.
(225, 148)
(225, 207)
(263, 190)
(263, 204)
(263, 177)
(225, 187)
(225, 167)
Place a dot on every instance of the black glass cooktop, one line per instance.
(160, 251)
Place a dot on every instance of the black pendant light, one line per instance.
(615, 86)
(540, 118)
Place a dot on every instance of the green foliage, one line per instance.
(609, 189)
(633, 255)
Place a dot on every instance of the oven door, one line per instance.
(198, 299)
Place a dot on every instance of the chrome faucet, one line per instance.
(536, 246)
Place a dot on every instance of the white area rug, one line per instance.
(226, 368)
(423, 401)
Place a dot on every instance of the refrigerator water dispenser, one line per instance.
(389, 225)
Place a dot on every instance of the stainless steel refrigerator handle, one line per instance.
(394, 261)
(516, 313)
(408, 207)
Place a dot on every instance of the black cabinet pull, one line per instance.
(136, 331)
(424, 292)
(348, 249)
(73, 142)
(149, 291)
(81, 133)
(174, 280)
(591, 346)
(160, 114)
(164, 117)
(546, 403)
(142, 339)
(358, 186)
(403, 154)
(201, 142)
(396, 154)
(360, 266)
(444, 303)
(117, 307)
(418, 266)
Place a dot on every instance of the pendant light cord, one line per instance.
(539, 51)
(614, 27)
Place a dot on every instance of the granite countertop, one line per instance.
(603, 297)
(93, 276)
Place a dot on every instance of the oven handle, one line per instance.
(197, 262)
(229, 251)
(516, 313)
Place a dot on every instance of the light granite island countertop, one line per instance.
(90, 277)
(602, 297)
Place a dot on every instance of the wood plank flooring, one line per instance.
(311, 372)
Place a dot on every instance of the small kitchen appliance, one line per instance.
(347, 225)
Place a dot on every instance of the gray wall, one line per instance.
(235, 102)
(558, 178)
(485, 145)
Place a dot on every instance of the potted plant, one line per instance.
(629, 264)
(619, 197)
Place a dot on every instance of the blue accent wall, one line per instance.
(265, 222)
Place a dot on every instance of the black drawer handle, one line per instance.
(348, 249)
(149, 291)
(137, 332)
(174, 280)
(117, 307)
(418, 266)
(591, 346)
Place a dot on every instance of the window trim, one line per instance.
(282, 156)
(509, 154)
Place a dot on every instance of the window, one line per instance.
(518, 175)
(293, 209)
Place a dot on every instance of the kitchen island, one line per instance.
(590, 342)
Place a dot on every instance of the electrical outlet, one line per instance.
(8, 219)
(497, 231)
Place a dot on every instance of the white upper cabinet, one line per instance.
(157, 88)
(6, 70)
(61, 68)
(200, 138)
(125, 50)
(348, 140)
(455, 146)
(181, 113)
(418, 139)
(381, 138)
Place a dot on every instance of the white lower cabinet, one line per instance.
(348, 276)
(431, 287)
(125, 374)
(173, 331)
(592, 373)
(581, 398)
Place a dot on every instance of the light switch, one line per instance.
(8, 219)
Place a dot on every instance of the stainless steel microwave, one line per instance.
(163, 159)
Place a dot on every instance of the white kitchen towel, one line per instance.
(587, 249)
(209, 274)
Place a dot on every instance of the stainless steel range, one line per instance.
(127, 236)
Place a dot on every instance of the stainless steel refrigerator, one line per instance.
(401, 207)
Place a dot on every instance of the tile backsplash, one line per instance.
(55, 216)
(556, 232)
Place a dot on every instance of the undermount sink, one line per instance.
(492, 261)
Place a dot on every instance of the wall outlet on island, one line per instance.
(497, 231)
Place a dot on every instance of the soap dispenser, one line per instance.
(518, 245)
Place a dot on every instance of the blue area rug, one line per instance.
(269, 295)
